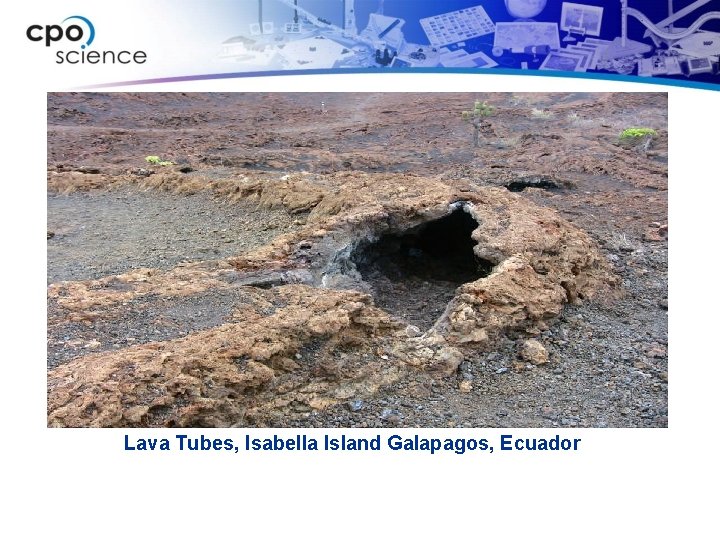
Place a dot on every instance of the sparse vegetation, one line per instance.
(541, 113)
(638, 138)
(637, 133)
(477, 117)
(579, 120)
(155, 160)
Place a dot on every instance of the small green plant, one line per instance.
(641, 139)
(636, 133)
(155, 160)
(477, 117)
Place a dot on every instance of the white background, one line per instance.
(659, 483)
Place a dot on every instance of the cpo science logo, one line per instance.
(78, 32)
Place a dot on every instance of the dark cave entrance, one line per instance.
(414, 274)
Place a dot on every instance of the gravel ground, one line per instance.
(102, 233)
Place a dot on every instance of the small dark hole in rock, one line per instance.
(415, 274)
(520, 185)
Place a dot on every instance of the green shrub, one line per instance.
(477, 116)
(155, 160)
(481, 109)
(635, 133)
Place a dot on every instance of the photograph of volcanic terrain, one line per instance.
(357, 260)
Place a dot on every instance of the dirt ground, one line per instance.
(145, 258)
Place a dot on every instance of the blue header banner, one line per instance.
(635, 39)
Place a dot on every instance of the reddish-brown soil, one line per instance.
(159, 277)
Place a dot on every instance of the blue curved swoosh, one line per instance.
(90, 26)
(665, 81)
